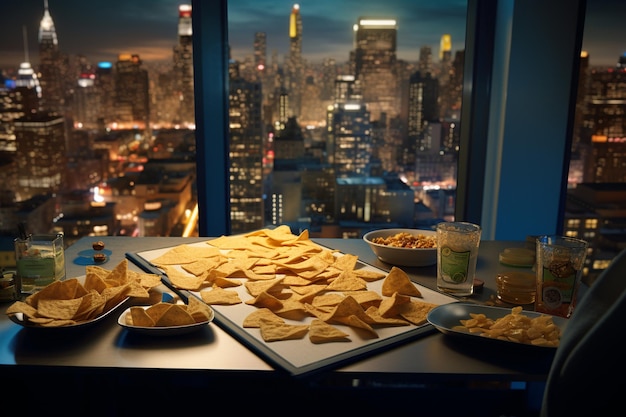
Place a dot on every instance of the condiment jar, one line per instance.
(8, 289)
(516, 287)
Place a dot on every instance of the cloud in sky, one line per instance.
(102, 29)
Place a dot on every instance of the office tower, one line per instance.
(425, 61)
(350, 141)
(423, 110)
(312, 108)
(604, 127)
(283, 108)
(375, 65)
(105, 87)
(445, 57)
(52, 67)
(260, 53)
(447, 80)
(86, 102)
(346, 89)
(295, 66)
(246, 154)
(452, 96)
(27, 89)
(329, 74)
(132, 98)
(40, 154)
(445, 47)
(183, 66)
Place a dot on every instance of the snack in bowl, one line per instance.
(404, 247)
(165, 314)
(514, 327)
(73, 302)
(167, 319)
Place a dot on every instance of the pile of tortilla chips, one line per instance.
(169, 315)
(70, 302)
(298, 287)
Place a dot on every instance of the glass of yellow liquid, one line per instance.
(40, 261)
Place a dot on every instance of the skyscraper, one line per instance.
(40, 154)
(28, 87)
(350, 136)
(423, 110)
(132, 98)
(105, 87)
(51, 65)
(260, 52)
(183, 65)
(375, 65)
(246, 153)
(295, 67)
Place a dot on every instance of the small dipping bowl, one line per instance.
(516, 287)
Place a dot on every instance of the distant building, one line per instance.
(132, 93)
(40, 154)
(375, 65)
(183, 66)
(295, 65)
(52, 66)
(423, 111)
(595, 212)
(246, 154)
(349, 143)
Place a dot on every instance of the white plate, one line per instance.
(446, 317)
(161, 330)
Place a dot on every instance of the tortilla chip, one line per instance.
(365, 298)
(272, 331)
(347, 282)
(182, 280)
(257, 287)
(199, 311)
(398, 281)
(254, 319)
(369, 275)
(138, 316)
(347, 262)
(58, 309)
(377, 319)
(267, 300)
(22, 307)
(220, 296)
(416, 311)
(143, 279)
(176, 315)
(322, 332)
(358, 323)
(390, 307)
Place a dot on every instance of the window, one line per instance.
(500, 98)
(359, 145)
(520, 72)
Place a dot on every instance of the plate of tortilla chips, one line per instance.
(82, 301)
(167, 319)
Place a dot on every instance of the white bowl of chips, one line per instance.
(404, 247)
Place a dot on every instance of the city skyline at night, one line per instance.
(102, 30)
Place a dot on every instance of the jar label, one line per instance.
(563, 282)
(454, 265)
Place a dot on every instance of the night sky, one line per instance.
(101, 30)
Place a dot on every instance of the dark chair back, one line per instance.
(588, 373)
